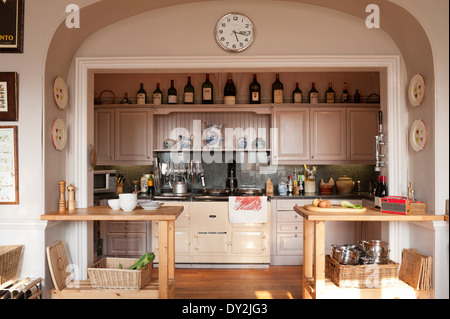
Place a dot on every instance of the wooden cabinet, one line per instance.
(362, 127)
(324, 134)
(291, 134)
(127, 238)
(328, 134)
(124, 135)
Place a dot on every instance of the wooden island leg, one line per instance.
(308, 233)
(163, 270)
(319, 257)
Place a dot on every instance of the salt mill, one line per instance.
(62, 198)
(71, 192)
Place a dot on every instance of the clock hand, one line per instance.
(235, 33)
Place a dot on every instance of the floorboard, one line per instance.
(275, 282)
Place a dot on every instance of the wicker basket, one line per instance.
(105, 274)
(361, 276)
(9, 262)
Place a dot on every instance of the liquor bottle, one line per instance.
(157, 95)
(150, 187)
(297, 94)
(357, 97)
(277, 90)
(189, 92)
(381, 191)
(255, 91)
(345, 95)
(229, 92)
(313, 95)
(207, 91)
(290, 185)
(329, 95)
(125, 100)
(141, 95)
(172, 94)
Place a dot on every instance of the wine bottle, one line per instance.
(255, 91)
(376, 198)
(297, 94)
(381, 191)
(277, 90)
(330, 94)
(189, 92)
(172, 94)
(313, 94)
(157, 95)
(125, 100)
(229, 92)
(150, 187)
(345, 95)
(141, 95)
(357, 97)
(207, 91)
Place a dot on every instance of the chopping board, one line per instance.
(334, 209)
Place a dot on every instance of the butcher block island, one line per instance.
(165, 216)
(315, 285)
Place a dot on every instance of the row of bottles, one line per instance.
(230, 93)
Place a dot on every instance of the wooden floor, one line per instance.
(275, 282)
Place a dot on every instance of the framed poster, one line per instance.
(9, 170)
(11, 26)
(8, 96)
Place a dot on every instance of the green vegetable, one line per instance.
(143, 261)
(120, 266)
(347, 204)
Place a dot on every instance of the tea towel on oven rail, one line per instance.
(248, 209)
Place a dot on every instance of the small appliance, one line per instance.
(104, 181)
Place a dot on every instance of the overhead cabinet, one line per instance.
(124, 135)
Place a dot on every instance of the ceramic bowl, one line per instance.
(128, 202)
(151, 205)
(114, 203)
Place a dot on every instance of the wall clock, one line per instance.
(234, 32)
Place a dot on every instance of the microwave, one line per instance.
(105, 181)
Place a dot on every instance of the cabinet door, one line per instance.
(127, 244)
(104, 135)
(362, 127)
(248, 242)
(328, 134)
(133, 134)
(291, 135)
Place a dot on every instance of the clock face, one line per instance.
(234, 32)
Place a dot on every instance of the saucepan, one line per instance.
(374, 248)
(346, 254)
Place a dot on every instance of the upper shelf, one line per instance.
(255, 108)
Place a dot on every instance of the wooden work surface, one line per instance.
(371, 214)
(167, 213)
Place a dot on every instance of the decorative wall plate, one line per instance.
(416, 90)
(418, 135)
(59, 134)
(60, 93)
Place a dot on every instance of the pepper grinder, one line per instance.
(62, 198)
(71, 192)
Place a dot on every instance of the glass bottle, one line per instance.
(157, 95)
(313, 94)
(357, 97)
(207, 91)
(189, 92)
(141, 95)
(172, 94)
(297, 94)
(345, 95)
(255, 91)
(229, 92)
(277, 90)
(329, 95)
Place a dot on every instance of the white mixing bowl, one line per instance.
(128, 202)
(114, 203)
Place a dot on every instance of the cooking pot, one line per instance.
(179, 187)
(346, 254)
(345, 184)
(375, 248)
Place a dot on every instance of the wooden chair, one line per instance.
(65, 288)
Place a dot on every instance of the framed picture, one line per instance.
(8, 96)
(11, 26)
(9, 170)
